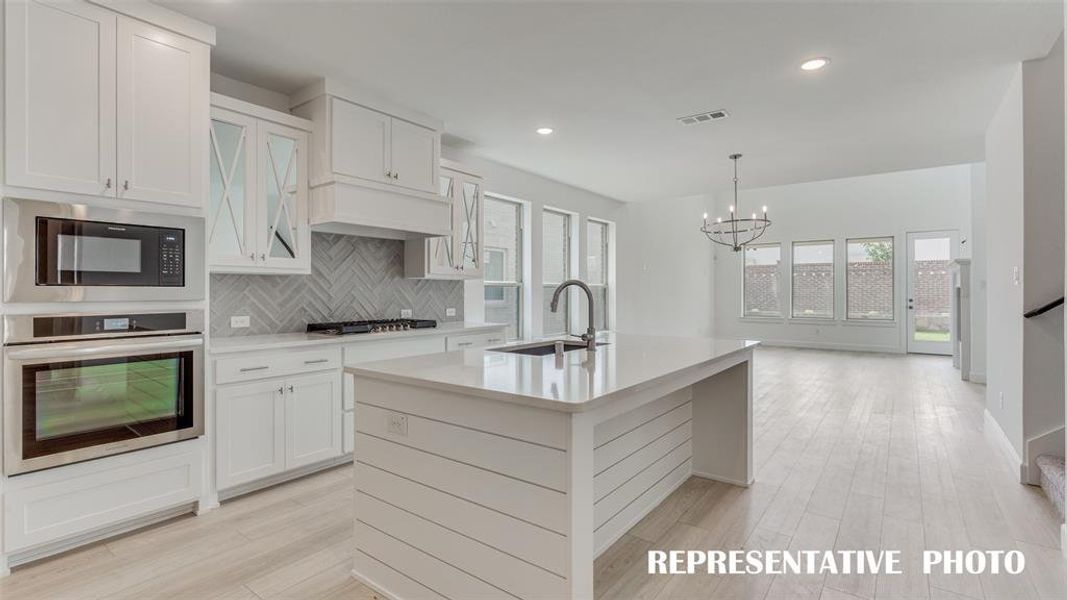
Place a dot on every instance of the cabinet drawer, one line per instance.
(475, 340)
(259, 366)
(77, 499)
(384, 350)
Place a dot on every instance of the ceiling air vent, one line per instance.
(704, 117)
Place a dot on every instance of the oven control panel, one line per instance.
(171, 257)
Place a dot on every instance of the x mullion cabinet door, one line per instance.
(285, 235)
(232, 193)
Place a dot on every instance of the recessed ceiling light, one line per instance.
(544, 130)
(815, 64)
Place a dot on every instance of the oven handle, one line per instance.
(65, 349)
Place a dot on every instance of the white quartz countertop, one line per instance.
(581, 382)
(253, 343)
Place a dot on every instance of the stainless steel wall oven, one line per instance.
(78, 387)
(72, 252)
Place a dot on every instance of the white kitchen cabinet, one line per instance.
(360, 142)
(60, 96)
(250, 424)
(413, 155)
(258, 197)
(313, 428)
(98, 103)
(374, 165)
(162, 101)
(459, 255)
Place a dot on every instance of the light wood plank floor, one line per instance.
(853, 451)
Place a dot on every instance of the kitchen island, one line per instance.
(485, 474)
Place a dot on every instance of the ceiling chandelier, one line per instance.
(736, 232)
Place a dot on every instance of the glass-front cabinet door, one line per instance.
(283, 184)
(441, 250)
(467, 225)
(231, 204)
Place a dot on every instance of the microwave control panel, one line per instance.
(171, 257)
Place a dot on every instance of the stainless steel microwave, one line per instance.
(72, 253)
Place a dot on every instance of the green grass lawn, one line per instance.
(931, 336)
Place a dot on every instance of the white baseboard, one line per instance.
(1051, 442)
(722, 479)
(997, 434)
(833, 346)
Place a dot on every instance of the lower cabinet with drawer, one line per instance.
(276, 425)
(475, 340)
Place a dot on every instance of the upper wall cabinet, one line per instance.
(374, 165)
(459, 255)
(99, 103)
(258, 197)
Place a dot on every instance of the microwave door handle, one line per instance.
(79, 349)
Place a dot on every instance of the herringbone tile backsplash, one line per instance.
(351, 278)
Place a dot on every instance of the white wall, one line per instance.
(1004, 217)
(537, 192)
(1025, 235)
(1043, 135)
(890, 204)
(666, 272)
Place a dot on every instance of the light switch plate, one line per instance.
(398, 424)
(405, 313)
(240, 322)
(450, 312)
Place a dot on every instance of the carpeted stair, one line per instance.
(1052, 479)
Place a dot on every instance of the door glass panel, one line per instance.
(471, 235)
(226, 230)
(281, 181)
(441, 247)
(77, 404)
(931, 286)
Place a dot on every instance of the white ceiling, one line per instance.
(911, 84)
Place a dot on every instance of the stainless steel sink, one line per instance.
(543, 348)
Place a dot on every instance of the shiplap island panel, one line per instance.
(490, 474)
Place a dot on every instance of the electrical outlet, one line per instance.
(240, 322)
(1002, 401)
(450, 312)
(405, 313)
(398, 424)
(1015, 275)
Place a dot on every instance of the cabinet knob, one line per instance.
(252, 255)
(388, 173)
(396, 175)
(262, 257)
(125, 184)
(290, 389)
(281, 389)
(107, 184)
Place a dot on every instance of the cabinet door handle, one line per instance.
(252, 255)
(316, 361)
(281, 389)
(107, 184)
(388, 174)
(463, 344)
(247, 369)
(263, 257)
(125, 184)
(494, 340)
(396, 175)
(290, 389)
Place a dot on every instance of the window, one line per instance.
(503, 264)
(599, 253)
(869, 279)
(761, 280)
(813, 280)
(556, 250)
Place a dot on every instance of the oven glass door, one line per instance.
(84, 403)
(92, 253)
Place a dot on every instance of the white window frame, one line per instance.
(522, 247)
(792, 274)
(744, 312)
(609, 246)
(893, 278)
(549, 287)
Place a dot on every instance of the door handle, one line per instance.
(290, 389)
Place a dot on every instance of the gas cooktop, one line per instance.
(372, 326)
